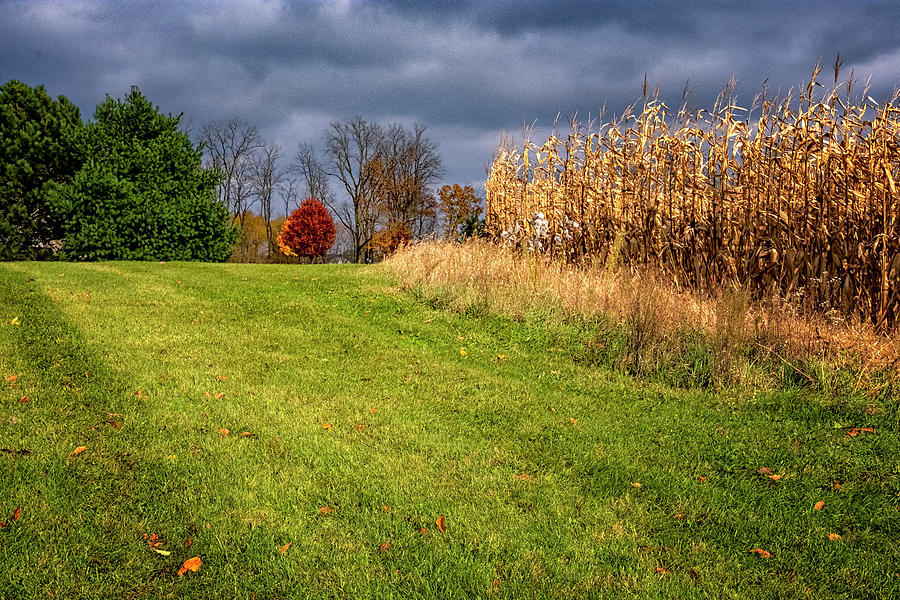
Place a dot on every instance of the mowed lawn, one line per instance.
(230, 410)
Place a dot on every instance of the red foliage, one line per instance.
(309, 231)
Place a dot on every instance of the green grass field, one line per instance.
(556, 479)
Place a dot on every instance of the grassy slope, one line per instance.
(533, 458)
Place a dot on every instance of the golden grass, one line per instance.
(496, 279)
(795, 198)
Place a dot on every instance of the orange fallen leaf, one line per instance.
(702, 478)
(221, 378)
(384, 546)
(78, 450)
(191, 564)
(572, 420)
(24, 399)
(662, 571)
(834, 536)
(463, 352)
(327, 426)
(373, 410)
(762, 553)
(219, 396)
(207, 394)
(764, 471)
(12, 378)
(819, 505)
(679, 517)
(637, 485)
(187, 544)
(775, 477)
(358, 427)
(441, 524)
(115, 424)
(326, 510)
(283, 549)
(386, 508)
(140, 394)
(247, 434)
(222, 432)
(423, 531)
(16, 514)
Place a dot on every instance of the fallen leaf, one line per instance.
(819, 505)
(223, 432)
(187, 544)
(694, 575)
(775, 477)
(373, 410)
(12, 379)
(679, 517)
(762, 553)
(326, 510)
(572, 420)
(191, 564)
(283, 549)
(463, 352)
(219, 396)
(837, 485)
(163, 552)
(16, 514)
(207, 394)
(384, 546)
(460, 338)
(441, 524)
(637, 485)
(140, 394)
(24, 399)
(247, 434)
(386, 508)
(78, 450)
(154, 542)
(501, 357)
(327, 426)
(358, 427)
(115, 424)
(834, 536)
(662, 571)
(764, 471)
(702, 478)
(15, 321)
(423, 531)
(221, 378)
(522, 477)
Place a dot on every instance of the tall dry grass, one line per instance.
(656, 320)
(794, 198)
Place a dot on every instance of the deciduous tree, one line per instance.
(309, 231)
(462, 210)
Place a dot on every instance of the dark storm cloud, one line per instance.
(468, 70)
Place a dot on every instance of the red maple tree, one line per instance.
(308, 232)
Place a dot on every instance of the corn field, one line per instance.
(795, 197)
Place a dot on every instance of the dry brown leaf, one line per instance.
(834, 536)
(219, 396)
(326, 510)
(423, 531)
(12, 379)
(222, 431)
(762, 553)
(187, 544)
(140, 394)
(247, 434)
(115, 424)
(386, 508)
(837, 485)
(679, 517)
(819, 505)
(283, 549)
(373, 410)
(441, 524)
(24, 399)
(764, 471)
(327, 426)
(221, 378)
(384, 546)
(191, 564)
(16, 514)
(78, 450)
(522, 477)
(358, 427)
(662, 571)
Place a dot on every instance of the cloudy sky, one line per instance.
(469, 71)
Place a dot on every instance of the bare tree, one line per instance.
(313, 174)
(350, 147)
(409, 164)
(268, 178)
(230, 146)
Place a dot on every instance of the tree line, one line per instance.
(132, 185)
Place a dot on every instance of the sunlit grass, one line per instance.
(533, 458)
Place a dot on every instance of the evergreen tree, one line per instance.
(38, 137)
(141, 193)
